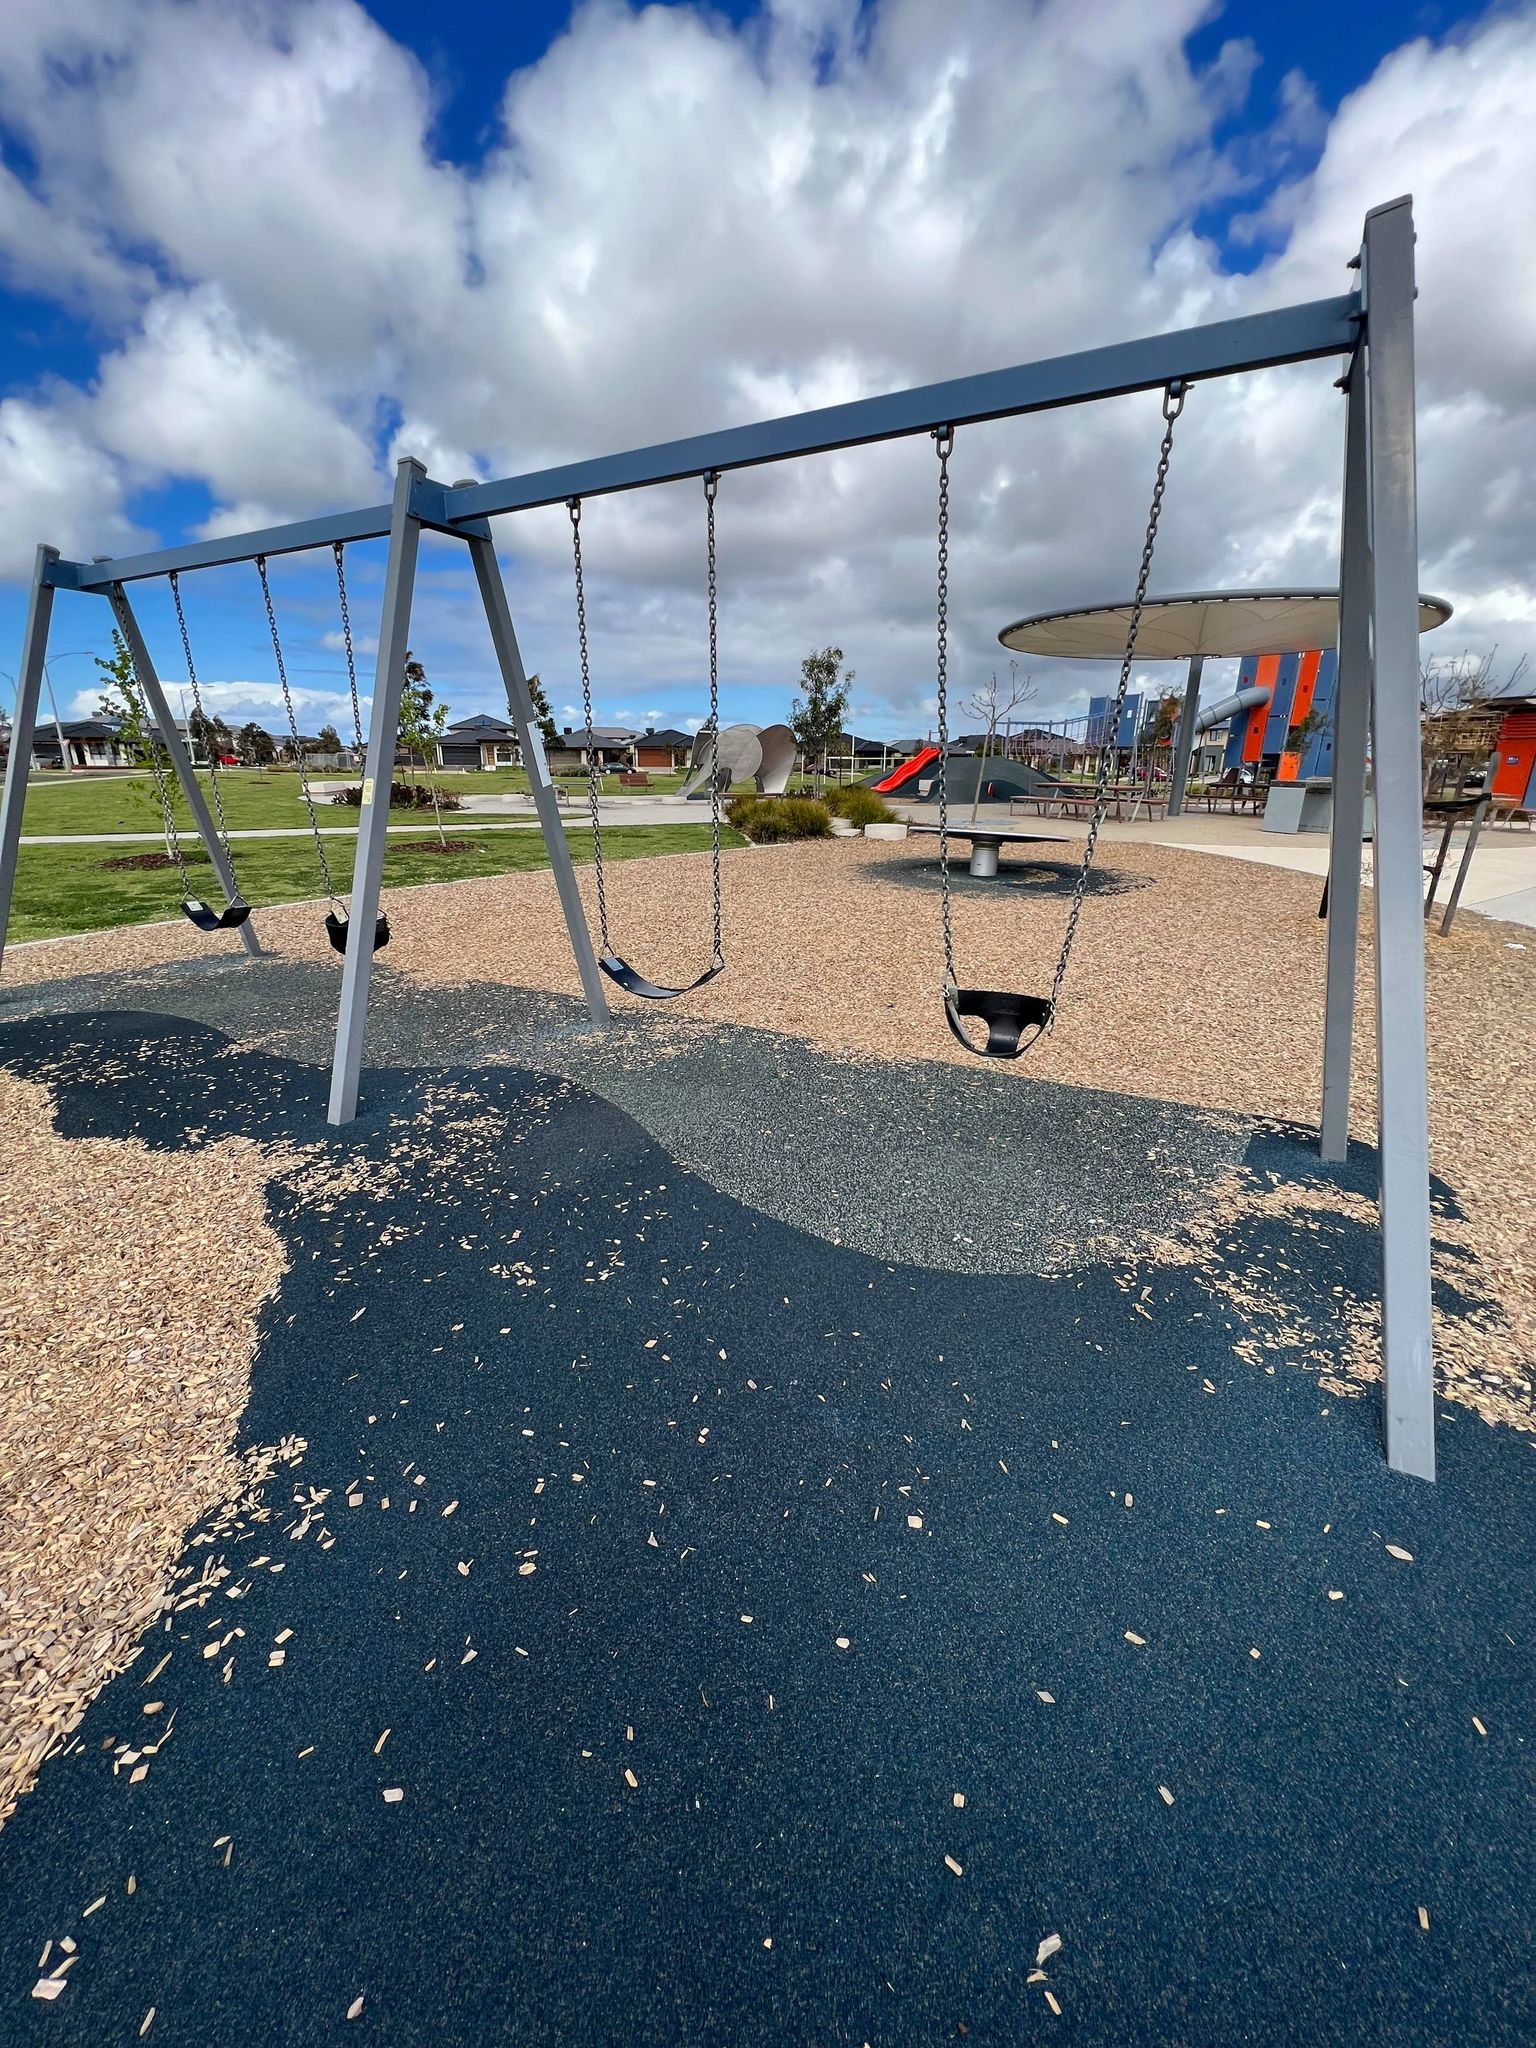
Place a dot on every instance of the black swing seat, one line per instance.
(1006, 1015)
(336, 931)
(634, 983)
(207, 919)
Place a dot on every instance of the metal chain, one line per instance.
(594, 773)
(338, 549)
(157, 768)
(197, 704)
(1173, 405)
(293, 733)
(711, 486)
(944, 441)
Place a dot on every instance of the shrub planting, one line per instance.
(860, 805)
(404, 796)
(768, 819)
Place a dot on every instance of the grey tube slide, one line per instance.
(1245, 700)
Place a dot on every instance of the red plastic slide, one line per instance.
(898, 777)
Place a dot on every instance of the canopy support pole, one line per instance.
(1183, 746)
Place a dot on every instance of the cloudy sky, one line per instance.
(251, 251)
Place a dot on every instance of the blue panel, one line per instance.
(1318, 758)
(1098, 716)
(1247, 675)
(1277, 724)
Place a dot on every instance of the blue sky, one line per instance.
(119, 311)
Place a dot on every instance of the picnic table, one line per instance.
(1122, 799)
(1232, 796)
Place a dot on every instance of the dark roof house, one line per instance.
(481, 741)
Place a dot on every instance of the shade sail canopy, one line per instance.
(1217, 624)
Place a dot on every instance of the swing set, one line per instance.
(1369, 328)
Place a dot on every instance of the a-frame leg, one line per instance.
(493, 594)
(180, 760)
(378, 774)
(23, 725)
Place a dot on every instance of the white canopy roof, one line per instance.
(1214, 623)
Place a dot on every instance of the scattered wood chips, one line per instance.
(127, 1310)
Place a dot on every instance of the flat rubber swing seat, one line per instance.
(1006, 1015)
(207, 919)
(634, 983)
(336, 929)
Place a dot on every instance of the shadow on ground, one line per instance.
(1021, 869)
(719, 1563)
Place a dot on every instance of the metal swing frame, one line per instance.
(1370, 328)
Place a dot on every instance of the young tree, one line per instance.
(996, 707)
(255, 744)
(544, 717)
(422, 724)
(817, 718)
(201, 735)
(121, 707)
(120, 704)
(329, 740)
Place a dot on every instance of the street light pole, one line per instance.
(69, 654)
(58, 724)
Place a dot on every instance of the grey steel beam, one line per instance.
(1224, 348)
(378, 774)
(1292, 334)
(498, 613)
(1407, 1344)
(1184, 741)
(29, 682)
(371, 524)
(180, 760)
(1351, 721)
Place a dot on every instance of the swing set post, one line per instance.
(373, 819)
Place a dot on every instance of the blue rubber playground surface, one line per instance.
(693, 1628)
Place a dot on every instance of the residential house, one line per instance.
(479, 742)
(613, 747)
(91, 743)
(665, 751)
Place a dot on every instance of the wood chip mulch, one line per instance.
(127, 1310)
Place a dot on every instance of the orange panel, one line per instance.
(1517, 754)
(1290, 767)
(1264, 677)
(1306, 685)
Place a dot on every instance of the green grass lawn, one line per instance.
(254, 799)
(65, 889)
